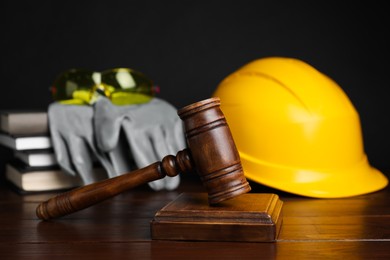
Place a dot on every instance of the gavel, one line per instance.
(211, 152)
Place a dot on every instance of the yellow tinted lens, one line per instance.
(127, 86)
(73, 84)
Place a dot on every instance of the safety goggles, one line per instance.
(123, 86)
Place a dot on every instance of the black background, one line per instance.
(188, 47)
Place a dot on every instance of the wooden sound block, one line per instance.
(249, 217)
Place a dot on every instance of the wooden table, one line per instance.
(119, 228)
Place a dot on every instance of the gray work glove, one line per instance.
(151, 130)
(72, 134)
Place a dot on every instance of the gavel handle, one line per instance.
(91, 194)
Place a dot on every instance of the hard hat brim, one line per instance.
(356, 180)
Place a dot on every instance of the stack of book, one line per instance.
(33, 166)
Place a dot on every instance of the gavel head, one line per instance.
(213, 151)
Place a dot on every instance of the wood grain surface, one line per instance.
(119, 228)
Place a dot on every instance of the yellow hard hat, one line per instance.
(296, 130)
